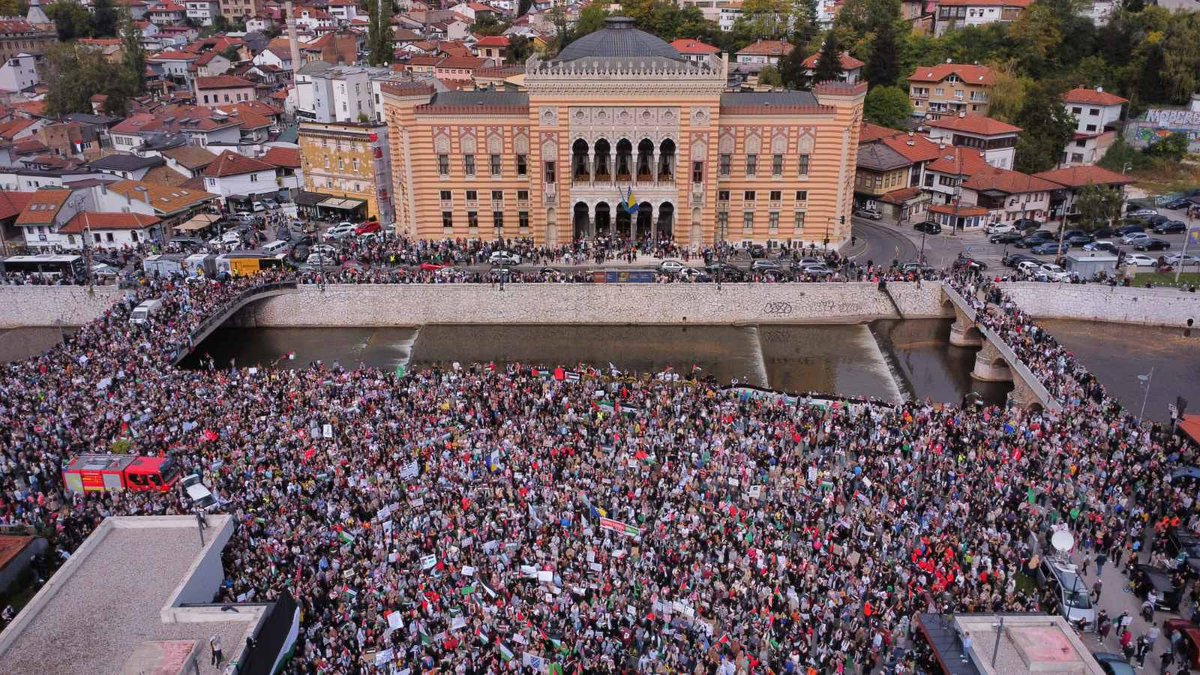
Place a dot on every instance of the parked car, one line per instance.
(504, 258)
(1139, 260)
(1169, 227)
(1010, 237)
(725, 272)
(1029, 267)
(910, 267)
(1079, 239)
(1050, 248)
(1176, 204)
(967, 262)
(1152, 221)
(1133, 237)
(670, 267)
(763, 265)
(1189, 644)
(341, 231)
(1015, 259)
(1113, 664)
(1122, 231)
(1140, 213)
(1070, 590)
(1034, 240)
(1181, 259)
(319, 260)
(369, 227)
(258, 207)
(1026, 224)
(1151, 244)
(758, 251)
(999, 228)
(815, 270)
(1148, 578)
(868, 213)
(1102, 232)
(324, 249)
(1052, 273)
(692, 274)
(928, 227)
(1102, 245)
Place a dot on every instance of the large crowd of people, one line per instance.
(490, 518)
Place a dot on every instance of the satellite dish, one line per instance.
(1062, 541)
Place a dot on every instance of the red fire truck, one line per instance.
(111, 473)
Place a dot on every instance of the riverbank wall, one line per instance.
(46, 306)
(1108, 304)
(701, 304)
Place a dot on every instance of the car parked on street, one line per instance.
(868, 213)
(1181, 259)
(1140, 260)
(999, 228)
(1113, 664)
(670, 267)
(1148, 578)
(1176, 204)
(1101, 245)
(1026, 224)
(763, 265)
(1015, 259)
(1127, 229)
(1140, 213)
(1151, 244)
(1050, 248)
(928, 227)
(1078, 239)
(1133, 237)
(1010, 237)
(341, 231)
(1050, 272)
(1189, 642)
(1070, 590)
(1169, 227)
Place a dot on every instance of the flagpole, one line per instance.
(1146, 395)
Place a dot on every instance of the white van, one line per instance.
(202, 498)
(275, 247)
(143, 312)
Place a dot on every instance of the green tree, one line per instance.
(591, 19)
(883, 66)
(792, 72)
(1046, 128)
(1123, 157)
(1098, 206)
(762, 20)
(487, 25)
(71, 20)
(1007, 96)
(1172, 148)
(133, 56)
(888, 107)
(105, 19)
(13, 7)
(829, 61)
(518, 49)
(523, 7)
(1181, 57)
(770, 77)
(380, 47)
(803, 19)
(74, 75)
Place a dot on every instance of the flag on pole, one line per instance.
(346, 537)
(505, 653)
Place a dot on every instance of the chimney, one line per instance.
(293, 41)
(962, 114)
(1100, 90)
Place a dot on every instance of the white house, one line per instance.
(280, 57)
(212, 92)
(764, 52)
(46, 212)
(952, 14)
(232, 174)
(345, 11)
(1009, 195)
(1097, 115)
(174, 66)
(995, 139)
(850, 66)
(110, 230)
(203, 12)
(19, 73)
(311, 18)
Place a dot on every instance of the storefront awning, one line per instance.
(343, 204)
(1190, 425)
(199, 222)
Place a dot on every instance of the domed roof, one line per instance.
(618, 38)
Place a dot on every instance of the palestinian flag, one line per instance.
(426, 640)
(556, 669)
(505, 653)
(346, 537)
(468, 590)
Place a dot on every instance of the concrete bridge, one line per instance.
(247, 297)
(996, 360)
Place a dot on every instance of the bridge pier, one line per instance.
(963, 332)
(1022, 396)
(990, 365)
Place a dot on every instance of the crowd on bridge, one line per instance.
(510, 517)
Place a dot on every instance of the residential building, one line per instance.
(167, 14)
(237, 178)
(997, 140)
(950, 88)
(326, 93)
(1072, 181)
(617, 116)
(890, 172)
(174, 126)
(945, 175)
(346, 11)
(110, 230)
(203, 12)
(177, 67)
(350, 164)
(958, 216)
(851, 68)
(130, 167)
(170, 204)
(952, 14)
(47, 210)
(211, 64)
(492, 47)
(188, 160)
(1008, 195)
(23, 37)
(18, 74)
(213, 92)
(1097, 116)
(764, 53)
(239, 9)
(460, 68)
(288, 166)
(694, 50)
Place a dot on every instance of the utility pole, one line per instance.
(1146, 380)
(1191, 232)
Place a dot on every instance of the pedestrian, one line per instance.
(1104, 627)
(1142, 649)
(214, 643)
(1097, 587)
(966, 646)
(1101, 558)
(1168, 658)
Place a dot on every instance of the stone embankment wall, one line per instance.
(415, 305)
(25, 306)
(1096, 302)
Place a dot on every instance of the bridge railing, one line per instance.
(1006, 352)
(237, 302)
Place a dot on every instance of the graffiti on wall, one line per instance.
(1158, 123)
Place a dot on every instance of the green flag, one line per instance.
(505, 653)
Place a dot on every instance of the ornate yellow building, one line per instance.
(347, 161)
(620, 134)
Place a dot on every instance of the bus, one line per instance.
(47, 265)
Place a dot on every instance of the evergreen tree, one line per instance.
(380, 48)
(1046, 126)
(883, 68)
(133, 56)
(105, 20)
(791, 68)
(804, 22)
(523, 7)
(829, 61)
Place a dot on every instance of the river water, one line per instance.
(889, 360)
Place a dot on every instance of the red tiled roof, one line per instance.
(229, 163)
(873, 132)
(980, 126)
(493, 41)
(900, 196)
(977, 75)
(288, 158)
(108, 221)
(961, 210)
(222, 82)
(1079, 176)
(957, 161)
(1092, 97)
(12, 203)
(172, 56)
(693, 47)
(421, 60)
(8, 130)
(462, 62)
(1009, 182)
(921, 150)
(985, 3)
(848, 62)
(43, 205)
(767, 48)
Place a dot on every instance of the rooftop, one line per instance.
(230, 163)
(222, 82)
(107, 221)
(120, 162)
(618, 39)
(969, 74)
(974, 124)
(110, 598)
(991, 179)
(847, 62)
(693, 47)
(767, 48)
(1080, 176)
(1095, 96)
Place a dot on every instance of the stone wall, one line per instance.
(414, 305)
(24, 306)
(1096, 302)
(920, 302)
